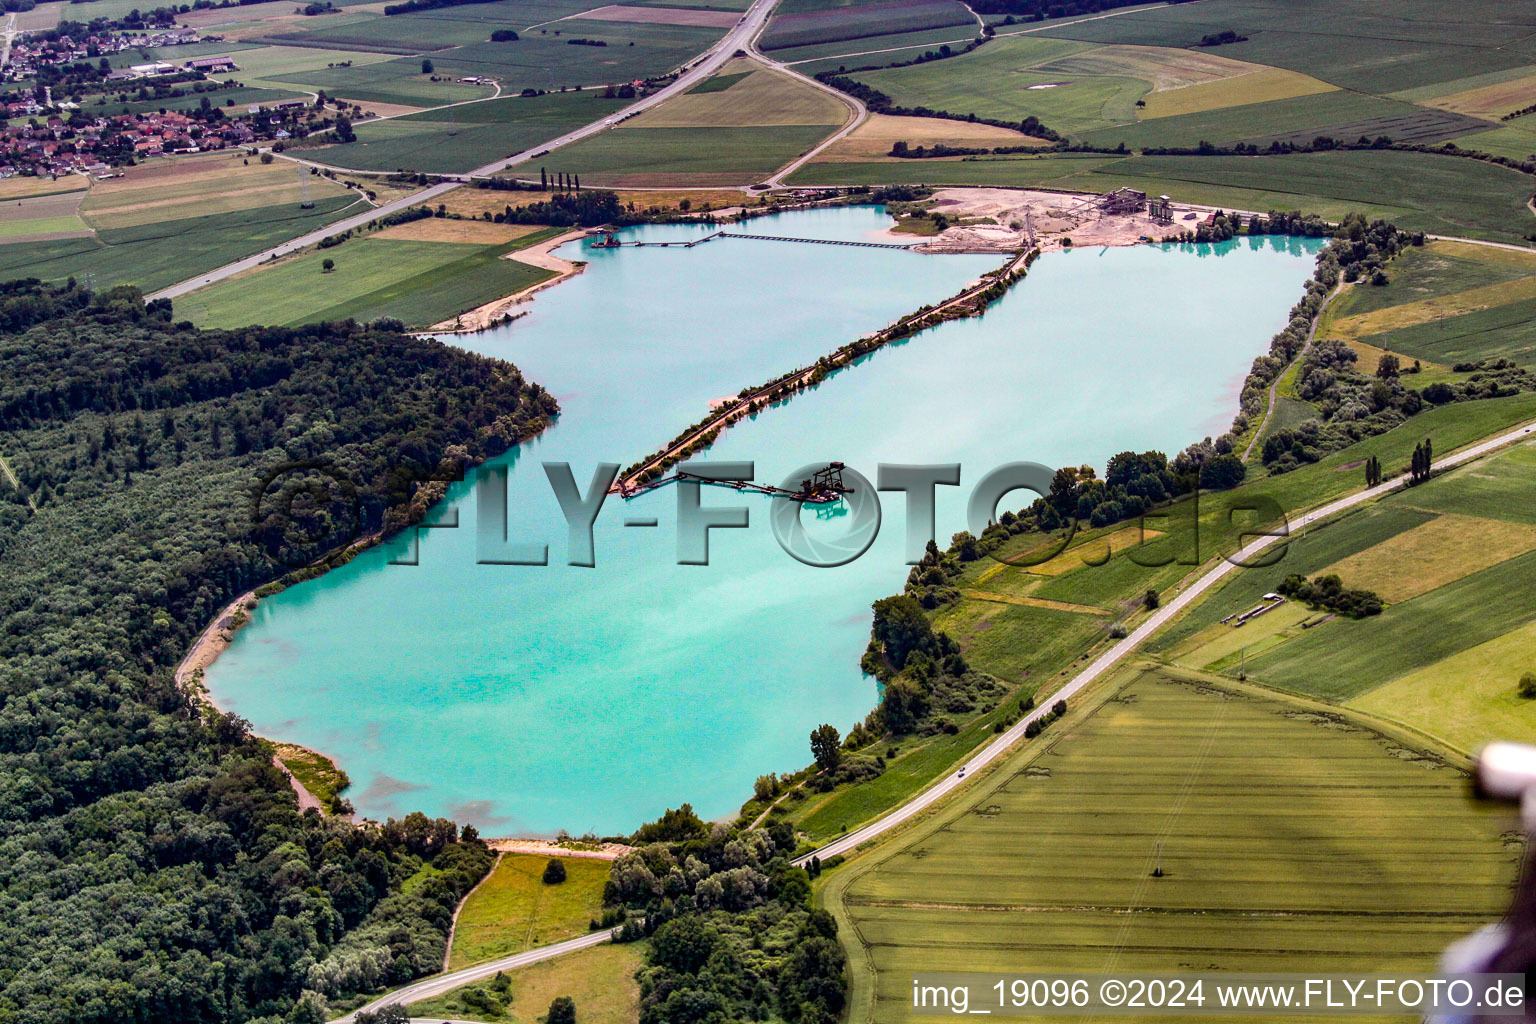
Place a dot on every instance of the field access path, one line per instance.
(1274, 385)
(738, 38)
(1002, 745)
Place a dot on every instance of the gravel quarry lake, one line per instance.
(529, 699)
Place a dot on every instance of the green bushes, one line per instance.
(1328, 593)
(733, 936)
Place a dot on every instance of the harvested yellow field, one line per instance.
(1485, 254)
(1370, 355)
(20, 186)
(1035, 602)
(1440, 307)
(467, 232)
(197, 186)
(873, 139)
(762, 98)
(384, 109)
(1490, 101)
(1440, 551)
(1257, 86)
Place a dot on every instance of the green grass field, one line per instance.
(862, 23)
(513, 910)
(1436, 269)
(461, 138)
(600, 979)
(1448, 281)
(418, 282)
(1505, 330)
(437, 147)
(700, 156)
(1369, 47)
(1468, 699)
(1289, 839)
(1314, 114)
(996, 81)
(881, 50)
(155, 255)
(390, 81)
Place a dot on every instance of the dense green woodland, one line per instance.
(153, 863)
(733, 934)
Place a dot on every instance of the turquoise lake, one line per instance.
(529, 699)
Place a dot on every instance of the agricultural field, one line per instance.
(1453, 560)
(1008, 79)
(711, 136)
(215, 183)
(475, 202)
(43, 217)
(1447, 303)
(1372, 47)
(135, 229)
(762, 97)
(1284, 832)
(864, 22)
(1140, 78)
(461, 138)
(1516, 140)
(513, 910)
(396, 273)
(1296, 120)
(1259, 85)
(600, 979)
(873, 139)
(875, 52)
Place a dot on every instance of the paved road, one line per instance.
(439, 984)
(855, 106)
(738, 38)
(1121, 650)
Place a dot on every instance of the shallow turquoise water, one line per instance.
(528, 699)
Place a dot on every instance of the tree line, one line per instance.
(153, 862)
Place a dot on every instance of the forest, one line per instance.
(153, 862)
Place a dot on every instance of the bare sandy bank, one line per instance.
(542, 256)
(549, 848)
(1007, 219)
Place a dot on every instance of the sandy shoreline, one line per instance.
(542, 256)
(549, 848)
